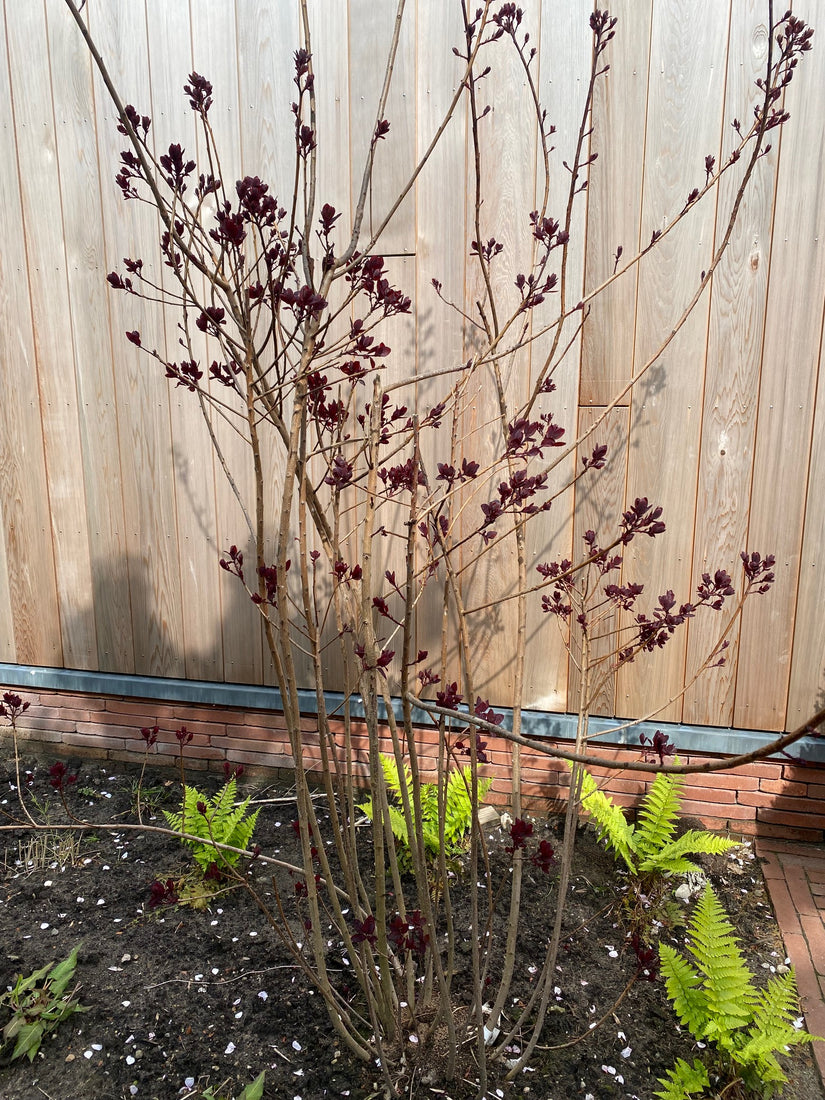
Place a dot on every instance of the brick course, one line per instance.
(769, 799)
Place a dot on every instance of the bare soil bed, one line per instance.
(182, 1000)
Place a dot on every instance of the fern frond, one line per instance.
(459, 804)
(684, 1081)
(772, 1028)
(222, 823)
(683, 986)
(393, 778)
(613, 826)
(727, 986)
(658, 814)
(671, 856)
(399, 825)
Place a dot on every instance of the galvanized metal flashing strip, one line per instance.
(535, 724)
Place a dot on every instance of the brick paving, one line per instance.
(795, 878)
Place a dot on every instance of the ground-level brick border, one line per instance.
(776, 798)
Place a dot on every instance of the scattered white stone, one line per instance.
(296, 1045)
(230, 1048)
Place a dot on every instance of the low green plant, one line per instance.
(38, 1004)
(143, 798)
(745, 1027)
(458, 811)
(253, 1091)
(215, 820)
(650, 847)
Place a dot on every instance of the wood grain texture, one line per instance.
(48, 289)
(599, 505)
(8, 650)
(563, 94)
(91, 341)
(146, 453)
(793, 332)
(807, 686)
(508, 191)
(440, 253)
(215, 55)
(735, 332)
(170, 60)
(108, 551)
(687, 65)
(24, 501)
(268, 36)
(370, 35)
(614, 204)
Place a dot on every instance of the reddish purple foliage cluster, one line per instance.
(659, 744)
(149, 735)
(12, 706)
(409, 934)
(59, 778)
(163, 893)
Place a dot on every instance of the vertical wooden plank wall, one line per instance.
(29, 609)
(734, 347)
(687, 67)
(80, 196)
(146, 455)
(790, 361)
(113, 508)
(215, 56)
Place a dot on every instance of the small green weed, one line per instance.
(38, 1003)
(253, 1091)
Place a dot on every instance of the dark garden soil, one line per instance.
(182, 1000)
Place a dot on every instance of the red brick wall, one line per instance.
(769, 799)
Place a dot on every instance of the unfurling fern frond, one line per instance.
(684, 1081)
(613, 826)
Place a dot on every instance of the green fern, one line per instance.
(613, 827)
(649, 847)
(719, 1004)
(684, 1081)
(458, 810)
(218, 820)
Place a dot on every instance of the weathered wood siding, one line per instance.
(113, 507)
